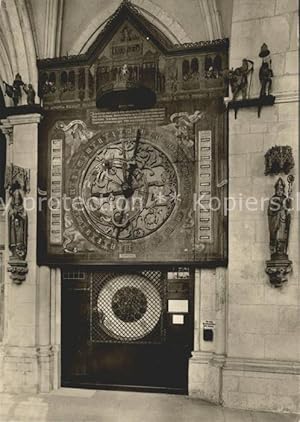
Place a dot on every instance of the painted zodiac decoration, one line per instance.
(279, 219)
(17, 183)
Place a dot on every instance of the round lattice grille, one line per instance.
(129, 307)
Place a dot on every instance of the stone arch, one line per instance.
(155, 14)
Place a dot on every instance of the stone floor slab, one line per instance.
(72, 405)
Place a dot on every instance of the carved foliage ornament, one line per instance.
(17, 183)
(279, 159)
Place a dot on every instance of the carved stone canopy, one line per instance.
(279, 159)
(17, 176)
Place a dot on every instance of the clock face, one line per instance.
(129, 308)
(134, 194)
(135, 191)
(129, 189)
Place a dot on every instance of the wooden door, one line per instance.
(122, 329)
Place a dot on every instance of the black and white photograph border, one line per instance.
(149, 211)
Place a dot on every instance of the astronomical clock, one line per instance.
(133, 152)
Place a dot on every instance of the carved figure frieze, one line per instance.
(213, 67)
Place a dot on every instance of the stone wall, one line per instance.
(263, 348)
(29, 352)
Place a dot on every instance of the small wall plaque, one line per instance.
(178, 319)
(178, 306)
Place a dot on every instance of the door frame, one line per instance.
(128, 269)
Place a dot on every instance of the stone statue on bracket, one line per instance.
(30, 93)
(17, 183)
(238, 79)
(265, 71)
(17, 225)
(279, 221)
(14, 91)
(279, 217)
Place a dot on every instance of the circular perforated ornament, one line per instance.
(129, 307)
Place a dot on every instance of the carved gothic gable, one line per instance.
(128, 45)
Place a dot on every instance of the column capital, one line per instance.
(7, 129)
(24, 119)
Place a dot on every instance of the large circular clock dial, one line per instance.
(129, 189)
(129, 309)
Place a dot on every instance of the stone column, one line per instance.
(263, 348)
(205, 366)
(26, 352)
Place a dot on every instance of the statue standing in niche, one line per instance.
(265, 71)
(279, 219)
(17, 226)
(124, 73)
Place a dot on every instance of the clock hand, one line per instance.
(132, 166)
(124, 161)
(120, 226)
(137, 141)
(107, 194)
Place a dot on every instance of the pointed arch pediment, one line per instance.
(127, 24)
(142, 36)
(130, 52)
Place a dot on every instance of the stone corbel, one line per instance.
(18, 185)
(8, 131)
(278, 271)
